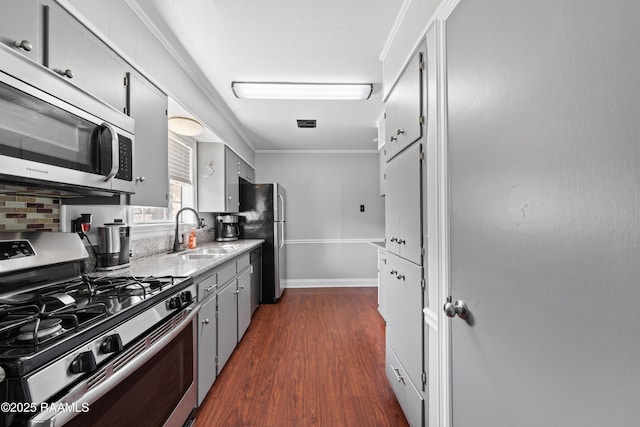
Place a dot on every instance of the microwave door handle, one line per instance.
(115, 152)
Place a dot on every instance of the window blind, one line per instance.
(180, 162)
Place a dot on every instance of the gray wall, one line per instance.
(327, 235)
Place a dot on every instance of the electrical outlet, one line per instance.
(361, 208)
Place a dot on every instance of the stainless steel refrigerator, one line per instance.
(262, 216)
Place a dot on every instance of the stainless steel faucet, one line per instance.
(176, 241)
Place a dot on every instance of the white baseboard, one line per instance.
(331, 283)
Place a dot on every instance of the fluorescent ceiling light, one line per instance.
(185, 126)
(307, 91)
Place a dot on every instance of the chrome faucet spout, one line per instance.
(176, 241)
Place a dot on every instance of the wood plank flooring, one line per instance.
(314, 359)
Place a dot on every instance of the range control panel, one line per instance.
(15, 249)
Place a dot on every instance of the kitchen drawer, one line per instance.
(207, 287)
(403, 109)
(226, 273)
(410, 399)
(242, 262)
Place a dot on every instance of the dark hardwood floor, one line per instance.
(314, 359)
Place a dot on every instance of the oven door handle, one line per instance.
(79, 396)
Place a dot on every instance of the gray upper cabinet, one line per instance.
(246, 171)
(218, 191)
(404, 116)
(77, 54)
(19, 27)
(148, 106)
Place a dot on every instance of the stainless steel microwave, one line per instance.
(54, 134)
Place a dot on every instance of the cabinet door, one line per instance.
(392, 209)
(244, 303)
(148, 106)
(232, 183)
(404, 315)
(384, 279)
(407, 169)
(404, 107)
(382, 155)
(20, 22)
(86, 60)
(227, 323)
(206, 347)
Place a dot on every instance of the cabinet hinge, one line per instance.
(421, 62)
(424, 379)
(422, 251)
(126, 80)
(423, 283)
(421, 120)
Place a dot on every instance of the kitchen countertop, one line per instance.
(176, 265)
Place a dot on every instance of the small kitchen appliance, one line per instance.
(113, 246)
(77, 350)
(227, 228)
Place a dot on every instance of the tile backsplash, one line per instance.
(29, 213)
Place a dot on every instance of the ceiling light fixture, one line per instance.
(185, 126)
(302, 91)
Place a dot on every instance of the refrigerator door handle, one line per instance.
(282, 211)
(282, 239)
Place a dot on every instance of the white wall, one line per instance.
(327, 235)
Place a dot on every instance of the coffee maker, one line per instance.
(227, 228)
(113, 246)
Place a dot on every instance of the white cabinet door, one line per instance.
(206, 347)
(244, 303)
(19, 23)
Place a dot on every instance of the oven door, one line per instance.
(151, 387)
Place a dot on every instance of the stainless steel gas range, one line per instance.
(79, 350)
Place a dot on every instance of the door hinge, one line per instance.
(424, 379)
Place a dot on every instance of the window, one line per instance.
(181, 188)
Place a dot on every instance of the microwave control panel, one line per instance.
(125, 172)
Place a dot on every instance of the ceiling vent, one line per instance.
(306, 124)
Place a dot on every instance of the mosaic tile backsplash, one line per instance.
(29, 213)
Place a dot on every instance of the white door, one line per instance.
(544, 174)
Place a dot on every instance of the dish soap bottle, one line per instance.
(192, 239)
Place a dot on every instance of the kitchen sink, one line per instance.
(200, 256)
(204, 253)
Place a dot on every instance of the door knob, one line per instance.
(24, 45)
(65, 73)
(458, 308)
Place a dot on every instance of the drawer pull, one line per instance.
(210, 288)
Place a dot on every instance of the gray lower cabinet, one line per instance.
(207, 350)
(244, 302)
(77, 54)
(227, 322)
(20, 27)
(148, 106)
(409, 398)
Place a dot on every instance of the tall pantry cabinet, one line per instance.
(403, 276)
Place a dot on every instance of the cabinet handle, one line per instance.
(399, 131)
(237, 292)
(400, 276)
(65, 73)
(396, 372)
(205, 322)
(394, 239)
(140, 179)
(393, 138)
(229, 198)
(210, 288)
(392, 272)
(401, 241)
(24, 45)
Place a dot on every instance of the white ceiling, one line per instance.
(286, 40)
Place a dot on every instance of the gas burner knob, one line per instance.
(112, 344)
(175, 303)
(186, 297)
(84, 362)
